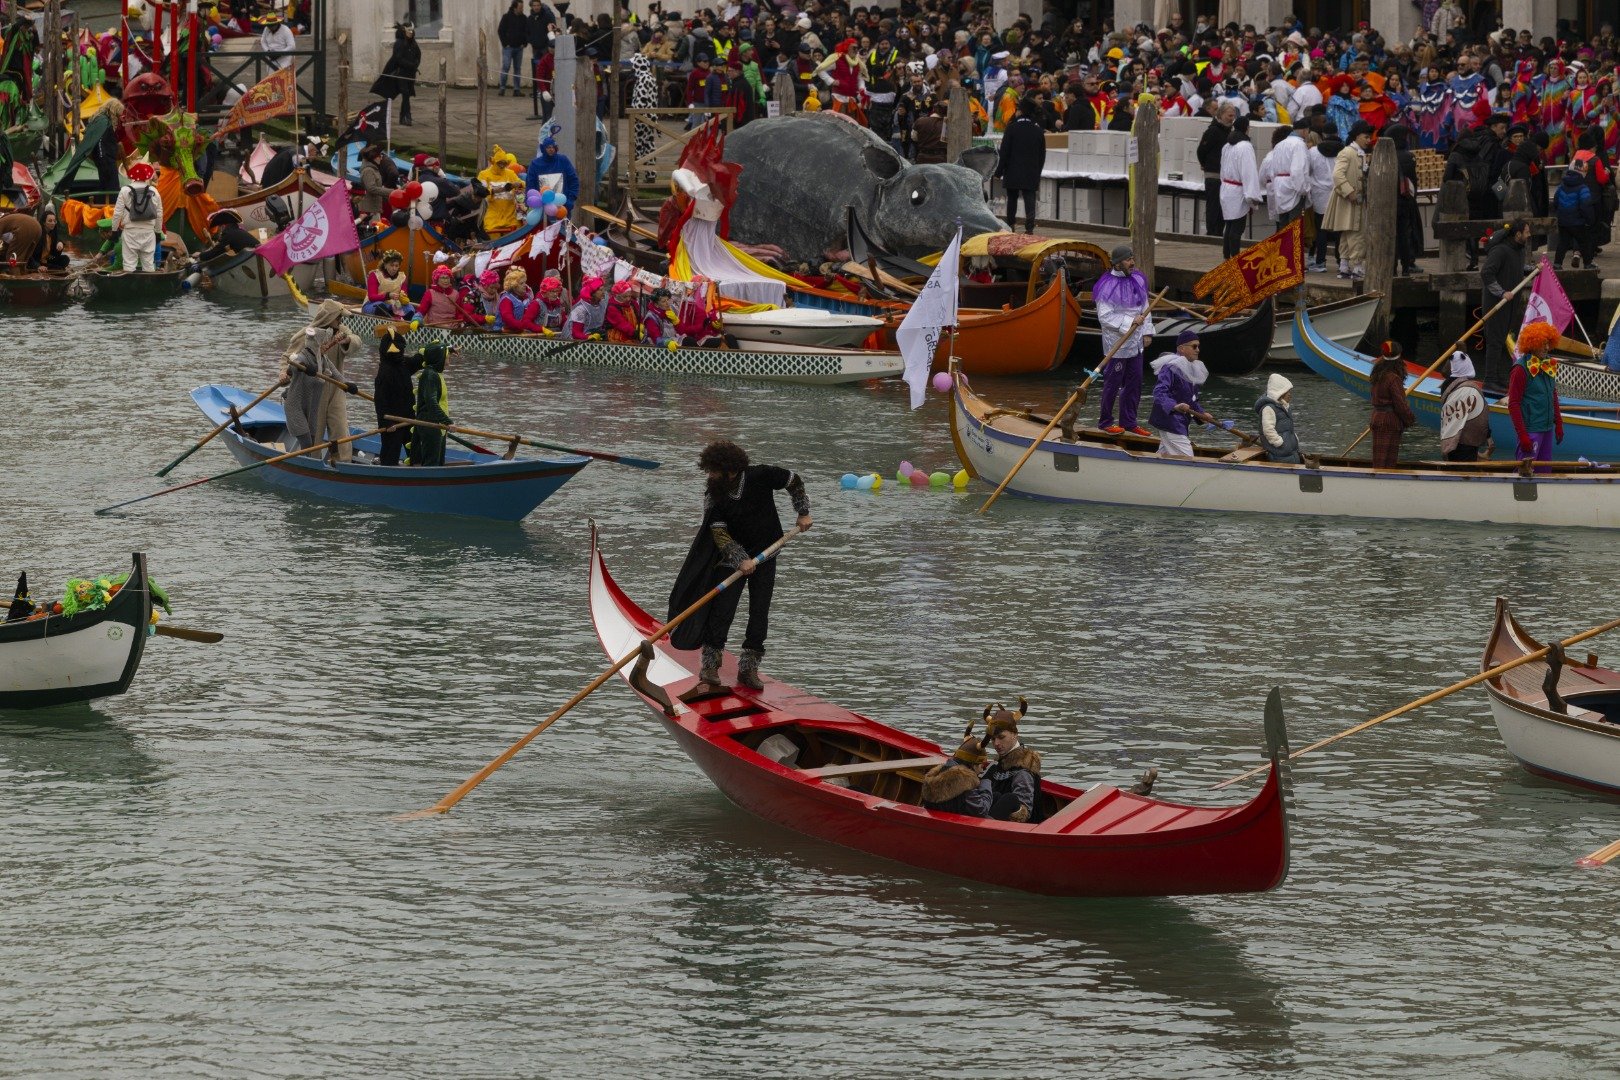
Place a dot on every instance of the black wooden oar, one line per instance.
(443, 805)
(249, 468)
(617, 459)
(206, 439)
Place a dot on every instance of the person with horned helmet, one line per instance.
(1015, 778)
(959, 786)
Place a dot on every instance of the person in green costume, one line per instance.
(432, 404)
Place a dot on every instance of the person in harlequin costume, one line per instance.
(622, 321)
(432, 403)
(658, 322)
(585, 320)
(392, 389)
(1554, 87)
(553, 301)
(518, 307)
(1533, 394)
(441, 302)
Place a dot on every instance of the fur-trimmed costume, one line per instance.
(1015, 783)
(956, 788)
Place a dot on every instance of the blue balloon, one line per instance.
(533, 216)
(601, 241)
(848, 481)
(865, 482)
(548, 197)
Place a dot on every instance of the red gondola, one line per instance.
(856, 782)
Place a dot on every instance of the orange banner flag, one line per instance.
(1247, 278)
(267, 99)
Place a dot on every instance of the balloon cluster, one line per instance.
(418, 199)
(907, 474)
(543, 205)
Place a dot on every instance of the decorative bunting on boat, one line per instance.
(1249, 277)
(265, 100)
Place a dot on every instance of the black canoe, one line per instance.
(54, 659)
(1235, 346)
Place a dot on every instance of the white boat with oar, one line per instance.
(1125, 470)
(1559, 718)
(55, 659)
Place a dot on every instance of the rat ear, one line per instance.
(881, 161)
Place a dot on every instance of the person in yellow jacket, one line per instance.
(503, 213)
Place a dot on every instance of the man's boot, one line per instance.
(710, 672)
(748, 669)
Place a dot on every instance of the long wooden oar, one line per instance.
(249, 468)
(363, 396)
(617, 459)
(443, 805)
(1079, 390)
(208, 438)
(1600, 856)
(206, 637)
(1453, 347)
(1472, 680)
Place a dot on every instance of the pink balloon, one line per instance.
(906, 468)
(918, 478)
(942, 382)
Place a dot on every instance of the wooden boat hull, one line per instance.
(34, 290)
(467, 485)
(1028, 340)
(252, 279)
(134, 287)
(1589, 435)
(57, 660)
(1343, 322)
(416, 247)
(1102, 842)
(1127, 472)
(1578, 745)
(1231, 347)
(762, 362)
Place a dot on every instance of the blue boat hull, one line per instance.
(1586, 434)
(468, 484)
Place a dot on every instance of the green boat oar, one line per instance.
(617, 459)
(206, 439)
(249, 468)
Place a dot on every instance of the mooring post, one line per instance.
(1378, 221)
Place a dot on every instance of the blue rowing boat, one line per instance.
(1591, 428)
(468, 484)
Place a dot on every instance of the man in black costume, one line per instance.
(392, 389)
(739, 517)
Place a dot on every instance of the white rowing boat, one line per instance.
(1125, 470)
(1575, 739)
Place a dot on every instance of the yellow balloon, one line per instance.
(960, 480)
(877, 482)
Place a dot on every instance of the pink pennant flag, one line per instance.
(1548, 302)
(323, 230)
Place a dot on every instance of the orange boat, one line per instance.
(1030, 338)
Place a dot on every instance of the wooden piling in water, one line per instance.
(1145, 187)
(1378, 224)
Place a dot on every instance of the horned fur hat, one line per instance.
(998, 718)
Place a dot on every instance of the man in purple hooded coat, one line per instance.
(1175, 396)
(1121, 295)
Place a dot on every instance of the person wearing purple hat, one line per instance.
(1175, 396)
(1121, 295)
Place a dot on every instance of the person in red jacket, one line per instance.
(1391, 415)
(622, 321)
(441, 303)
(518, 306)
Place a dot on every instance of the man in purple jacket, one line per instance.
(1175, 396)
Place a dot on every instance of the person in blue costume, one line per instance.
(552, 162)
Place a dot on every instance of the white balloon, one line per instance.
(415, 223)
(430, 191)
(424, 207)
